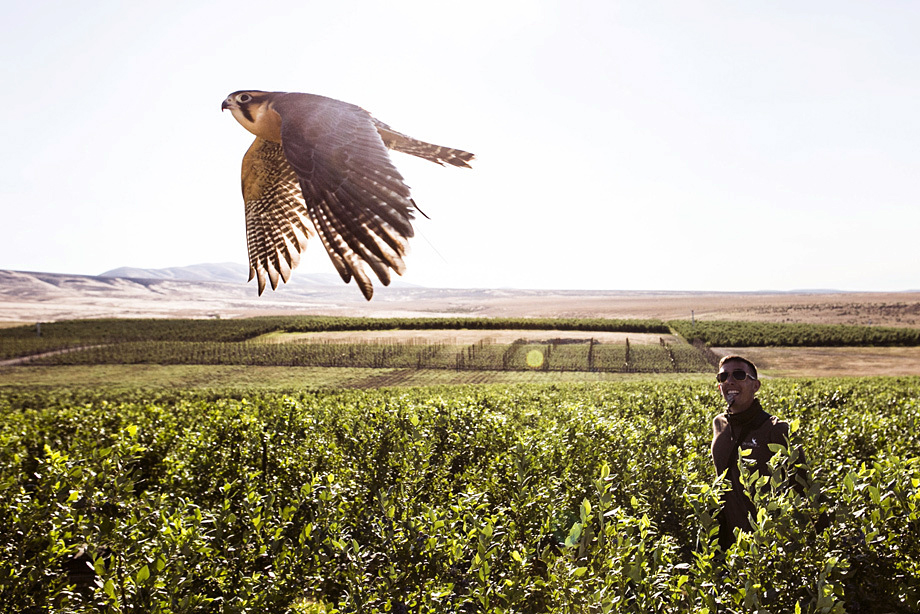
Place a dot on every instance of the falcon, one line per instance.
(321, 166)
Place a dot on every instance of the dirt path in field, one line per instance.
(22, 360)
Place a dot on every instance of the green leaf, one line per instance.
(143, 574)
(848, 483)
(109, 588)
(572, 540)
(585, 510)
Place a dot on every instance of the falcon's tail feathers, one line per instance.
(398, 141)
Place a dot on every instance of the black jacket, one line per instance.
(754, 430)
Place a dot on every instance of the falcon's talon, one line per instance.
(325, 160)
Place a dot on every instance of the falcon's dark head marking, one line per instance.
(248, 107)
(243, 99)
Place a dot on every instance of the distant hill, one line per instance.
(232, 272)
(204, 290)
(224, 272)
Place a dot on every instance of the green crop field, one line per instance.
(192, 466)
(528, 498)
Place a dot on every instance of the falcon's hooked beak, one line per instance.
(227, 104)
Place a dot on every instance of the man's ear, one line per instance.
(756, 385)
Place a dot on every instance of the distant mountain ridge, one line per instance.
(204, 290)
(232, 272)
(226, 272)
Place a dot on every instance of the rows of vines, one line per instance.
(586, 356)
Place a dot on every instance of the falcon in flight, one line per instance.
(321, 165)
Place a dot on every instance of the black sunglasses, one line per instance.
(739, 375)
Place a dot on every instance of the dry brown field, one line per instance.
(829, 361)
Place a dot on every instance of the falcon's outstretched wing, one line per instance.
(356, 199)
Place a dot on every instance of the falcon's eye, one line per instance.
(244, 98)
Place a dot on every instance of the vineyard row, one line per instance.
(589, 356)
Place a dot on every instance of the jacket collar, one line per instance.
(747, 416)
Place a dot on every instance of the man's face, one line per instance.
(741, 391)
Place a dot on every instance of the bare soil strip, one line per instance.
(830, 361)
(24, 360)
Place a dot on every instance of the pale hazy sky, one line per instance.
(634, 145)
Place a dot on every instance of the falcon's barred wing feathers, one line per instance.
(276, 215)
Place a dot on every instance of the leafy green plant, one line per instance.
(562, 498)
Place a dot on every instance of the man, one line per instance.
(744, 426)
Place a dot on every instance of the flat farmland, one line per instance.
(29, 298)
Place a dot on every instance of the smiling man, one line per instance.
(743, 426)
